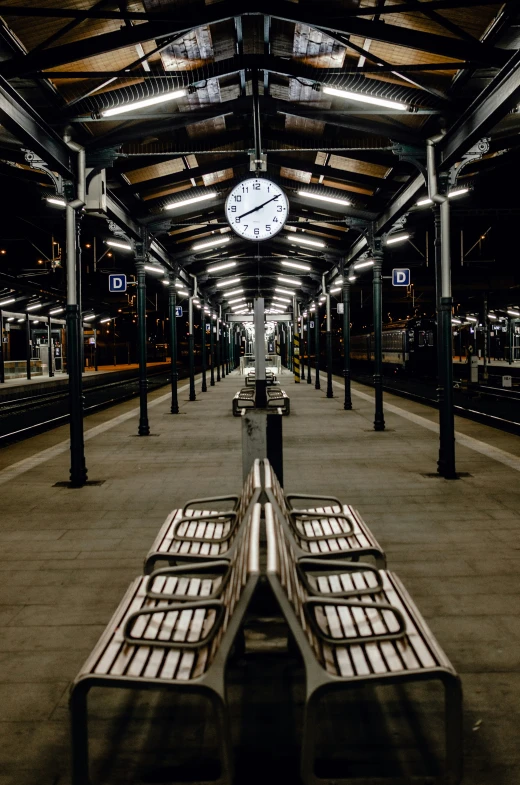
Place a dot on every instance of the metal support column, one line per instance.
(330, 393)
(49, 345)
(261, 383)
(317, 385)
(296, 344)
(222, 338)
(204, 387)
(2, 357)
(211, 349)
(347, 404)
(140, 256)
(78, 469)
(28, 345)
(191, 349)
(217, 348)
(377, 286)
(172, 307)
(309, 340)
(302, 345)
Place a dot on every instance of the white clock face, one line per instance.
(257, 209)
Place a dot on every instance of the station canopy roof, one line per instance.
(452, 65)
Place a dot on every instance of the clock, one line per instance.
(257, 209)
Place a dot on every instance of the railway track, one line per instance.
(21, 418)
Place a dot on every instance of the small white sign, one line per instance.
(178, 310)
(340, 308)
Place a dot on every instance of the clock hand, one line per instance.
(259, 207)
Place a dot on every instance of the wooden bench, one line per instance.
(354, 624)
(243, 399)
(333, 531)
(190, 534)
(173, 630)
(277, 398)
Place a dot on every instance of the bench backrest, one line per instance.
(285, 582)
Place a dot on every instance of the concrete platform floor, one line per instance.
(68, 555)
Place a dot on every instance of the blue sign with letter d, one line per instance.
(117, 283)
(400, 276)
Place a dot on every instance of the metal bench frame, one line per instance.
(233, 519)
(245, 570)
(276, 399)
(319, 681)
(289, 516)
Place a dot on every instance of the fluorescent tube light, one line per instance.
(492, 316)
(360, 265)
(365, 99)
(116, 244)
(8, 301)
(234, 292)
(57, 201)
(513, 313)
(10, 318)
(456, 192)
(281, 299)
(36, 321)
(210, 243)
(192, 200)
(322, 198)
(335, 291)
(397, 239)
(338, 281)
(217, 267)
(471, 319)
(227, 282)
(236, 300)
(423, 202)
(290, 281)
(55, 311)
(183, 292)
(297, 266)
(20, 320)
(305, 241)
(282, 291)
(104, 321)
(89, 318)
(352, 278)
(456, 321)
(156, 270)
(34, 307)
(156, 99)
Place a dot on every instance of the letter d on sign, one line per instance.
(117, 283)
(401, 277)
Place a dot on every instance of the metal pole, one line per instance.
(204, 387)
(217, 323)
(78, 469)
(191, 349)
(296, 344)
(309, 337)
(222, 335)
(302, 345)
(346, 341)
(2, 358)
(144, 428)
(447, 466)
(28, 350)
(261, 383)
(377, 284)
(172, 305)
(330, 393)
(485, 336)
(317, 385)
(49, 345)
(211, 349)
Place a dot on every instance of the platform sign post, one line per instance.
(117, 283)
(400, 276)
(296, 344)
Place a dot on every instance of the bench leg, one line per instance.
(79, 735)
(224, 734)
(454, 730)
(310, 724)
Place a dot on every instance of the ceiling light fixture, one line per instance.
(8, 301)
(399, 238)
(456, 192)
(33, 307)
(104, 321)
(227, 282)
(236, 300)
(290, 281)
(210, 243)
(234, 292)
(56, 201)
(116, 244)
(217, 267)
(282, 291)
(360, 265)
(352, 278)
(281, 299)
(335, 291)
(55, 311)
(365, 99)
(192, 200)
(156, 99)
(321, 198)
(297, 266)
(89, 318)
(156, 270)
(305, 241)
(513, 313)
